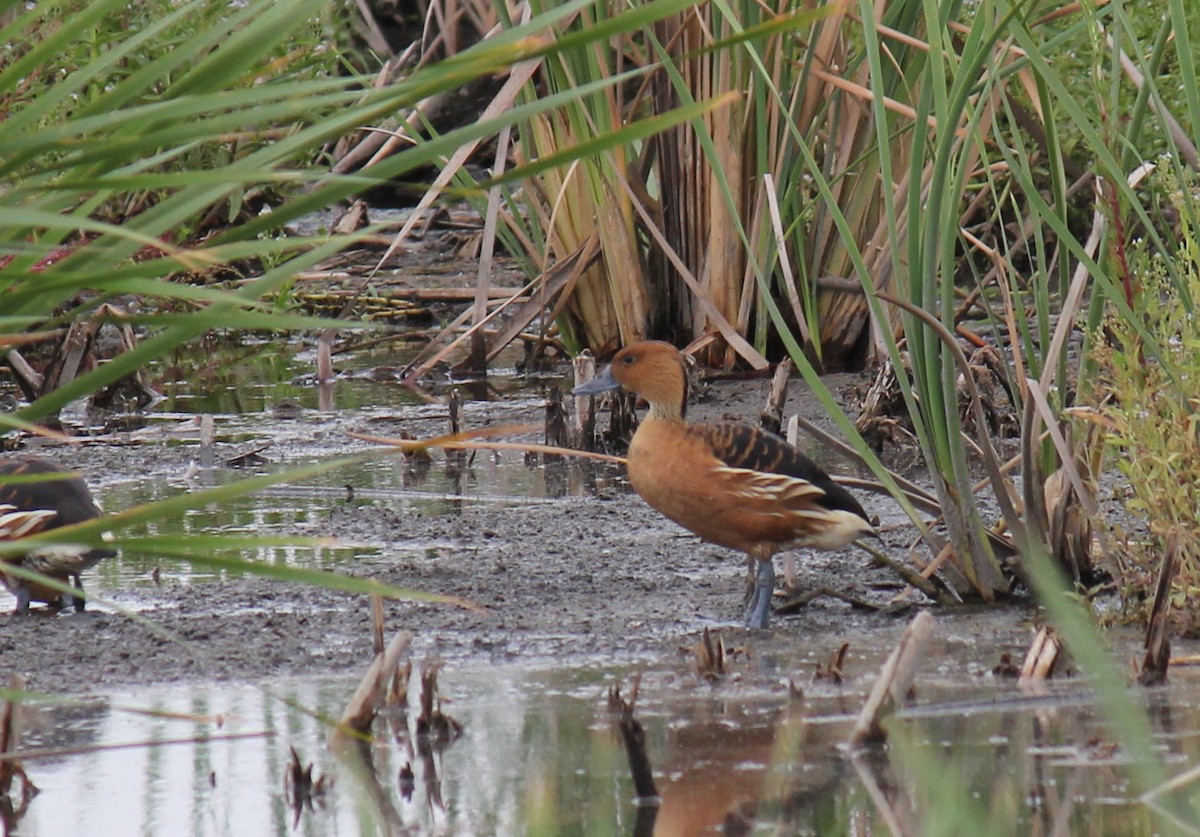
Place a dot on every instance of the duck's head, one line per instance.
(652, 370)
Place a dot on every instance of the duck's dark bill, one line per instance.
(601, 383)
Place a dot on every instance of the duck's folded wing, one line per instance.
(20, 523)
(775, 466)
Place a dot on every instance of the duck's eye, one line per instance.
(628, 360)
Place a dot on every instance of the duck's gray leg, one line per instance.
(758, 611)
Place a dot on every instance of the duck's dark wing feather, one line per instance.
(739, 445)
(61, 491)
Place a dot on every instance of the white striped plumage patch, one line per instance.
(15, 524)
(757, 485)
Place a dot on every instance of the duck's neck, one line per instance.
(664, 411)
(665, 388)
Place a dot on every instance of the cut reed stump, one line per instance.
(583, 429)
(833, 670)
(433, 725)
(771, 417)
(893, 683)
(13, 806)
(869, 758)
(75, 355)
(1042, 658)
(456, 459)
(635, 742)
(301, 790)
(1158, 642)
(709, 656)
(371, 694)
(556, 422)
(622, 416)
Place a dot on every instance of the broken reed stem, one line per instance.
(207, 437)
(1042, 657)
(8, 737)
(371, 694)
(1158, 642)
(466, 441)
(874, 769)
(557, 434)
(377, 622)
(28, 379)
(397, 697)
(634, 738)
(893, 682)
(325, 372)
(771, 417)
(583, 427)
(454, 404)
(909, 575)
(709, 656)
(477, 359)
(793, 431)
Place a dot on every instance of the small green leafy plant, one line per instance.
(1151, 413)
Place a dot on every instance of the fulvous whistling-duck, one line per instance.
(58, 498)
(732, 484)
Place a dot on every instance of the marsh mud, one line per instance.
(558, 560)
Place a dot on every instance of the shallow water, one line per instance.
(539, 755)
(239, 387)
(386, 481)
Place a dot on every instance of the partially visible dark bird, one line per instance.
(730, 483)
(45, 496)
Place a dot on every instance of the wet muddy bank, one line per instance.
(590, 575)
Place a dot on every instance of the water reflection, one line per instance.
(236, 410)
(715, 767)
(231, 377)
(426, 486)
(539, 755)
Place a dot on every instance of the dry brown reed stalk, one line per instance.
(849, 119)
(895, 678)
(610, 304)
(371, 695)
(9, 341)
(1080, 465)
(844, 121)
(477, 360)
(718, 202)
(468, 441)
(706, 190)
(709, 656)
(1157, 658)
(1042, 659)
(634, 738)
(549, 286)
(733, 338)
(59, 752)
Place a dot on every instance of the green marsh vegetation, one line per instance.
(801, 179)
(158, 152)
